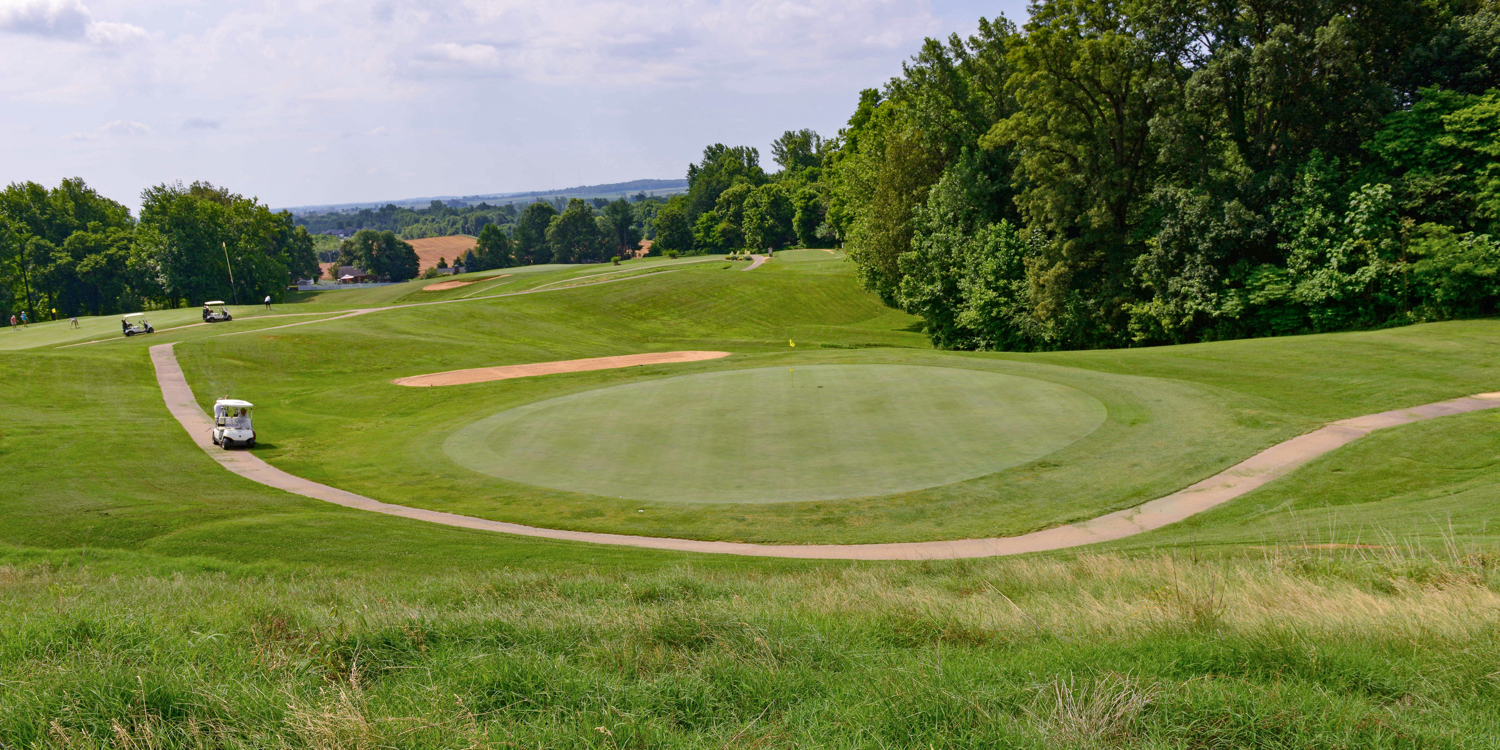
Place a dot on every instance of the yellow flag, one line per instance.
(793, 343)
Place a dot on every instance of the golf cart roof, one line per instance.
(136, 315)
(234, 403)
(215, 302)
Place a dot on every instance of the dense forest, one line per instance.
(70, 250)
(1153, 171)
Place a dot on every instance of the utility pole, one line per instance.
(233, 295)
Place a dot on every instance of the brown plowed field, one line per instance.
(447, 248)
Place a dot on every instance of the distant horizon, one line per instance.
(629, 187)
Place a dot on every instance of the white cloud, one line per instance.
(477, 55)
(125, 128)
(63, 19)
(318, 150)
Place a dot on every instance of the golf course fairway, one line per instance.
(824, 432)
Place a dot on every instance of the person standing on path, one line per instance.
(268, 301)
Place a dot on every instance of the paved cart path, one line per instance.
(1268, 465)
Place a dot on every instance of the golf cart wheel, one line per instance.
(128, 334)
(224, 443)
(149, 329)
(250, 443)
(228, 317)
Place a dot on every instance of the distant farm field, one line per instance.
(446, 248)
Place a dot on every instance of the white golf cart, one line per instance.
(135, 323)
(232, 425)
(216, 312)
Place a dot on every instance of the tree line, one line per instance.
(733, 204)
(71, 250)
(1136, 172)
(438, 219)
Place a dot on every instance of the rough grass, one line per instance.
(1292, 650)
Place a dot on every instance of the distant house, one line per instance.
(353, 275)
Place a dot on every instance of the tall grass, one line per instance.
(1391, 647)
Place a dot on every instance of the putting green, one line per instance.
(751, 436)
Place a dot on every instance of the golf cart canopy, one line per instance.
(215, 303)
(233, 413)
(135, 315)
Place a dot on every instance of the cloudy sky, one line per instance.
(322, 101)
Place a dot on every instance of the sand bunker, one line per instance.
(486, 374)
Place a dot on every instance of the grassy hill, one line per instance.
(152, 599)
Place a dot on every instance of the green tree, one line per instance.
(674, 232)
(797, 150)
(1087, 85)
(531, 234)
(620, 219)
(768, 215)
(381, 254)
(808, 214)
(492, 250)
(722, 167)
(574, 235)
(210, 243)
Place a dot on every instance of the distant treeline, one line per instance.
(439, 219)
(1133, 173)
(74, 251)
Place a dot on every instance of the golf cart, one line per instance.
(215, 312)
(232, 424)
(135, 323)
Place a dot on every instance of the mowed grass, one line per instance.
(150, 599)
(828, 432)
(335, 417)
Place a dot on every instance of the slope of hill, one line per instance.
(153, 599)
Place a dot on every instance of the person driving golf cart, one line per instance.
(135, 323)
(215, 312)
(232, 424)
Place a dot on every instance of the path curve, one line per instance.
(1274, 462)
(756, 262)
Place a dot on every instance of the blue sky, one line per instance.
(320, 101)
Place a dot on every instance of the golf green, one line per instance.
(823, 432)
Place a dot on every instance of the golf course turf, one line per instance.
(822, 432)
(149, 598)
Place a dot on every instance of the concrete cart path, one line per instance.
(1274, 462)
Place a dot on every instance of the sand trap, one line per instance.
(446, 285)
(486, 374)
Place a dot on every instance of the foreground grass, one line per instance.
(1384, 649)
